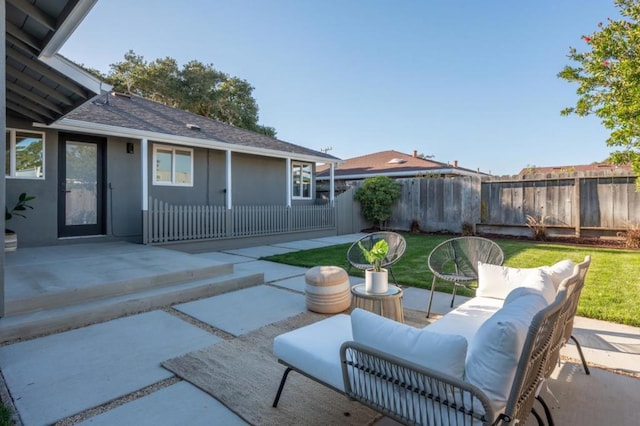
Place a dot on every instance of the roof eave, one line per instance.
(72, 125)
(407, 174)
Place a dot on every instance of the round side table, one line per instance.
(387, 304)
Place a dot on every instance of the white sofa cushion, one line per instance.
(559, 271)
(498, 281)
(467, 318)
(445, 353)
(494, 352)
(315, 348)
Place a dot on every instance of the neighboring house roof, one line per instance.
(393, 164)
(136, 117)
(582, 168)
(41, 85)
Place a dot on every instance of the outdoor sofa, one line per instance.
(482, 363)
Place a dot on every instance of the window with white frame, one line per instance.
(172, 166)
(301, 174)
(24, 154)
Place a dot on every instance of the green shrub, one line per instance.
(376, 195)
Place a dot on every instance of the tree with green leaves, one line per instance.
(196, 87)
(607, 72)
(377, 195)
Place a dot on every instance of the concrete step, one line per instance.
(82, 293)
(32, 324)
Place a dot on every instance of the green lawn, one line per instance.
(611, 292)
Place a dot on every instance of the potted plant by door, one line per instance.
(10, 237)
(376, 280)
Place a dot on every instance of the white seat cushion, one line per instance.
(315, 349)
(467, 318)
(443, 352)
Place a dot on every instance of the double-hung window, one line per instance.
(24, 154)
(301, 174)
(172, 166)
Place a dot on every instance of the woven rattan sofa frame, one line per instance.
(397, 247)
(373, 368)
(456, 260)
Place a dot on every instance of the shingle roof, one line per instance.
(389, 162)
(136, 113)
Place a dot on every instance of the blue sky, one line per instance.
(473, 81)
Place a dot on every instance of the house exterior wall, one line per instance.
(258, 180)
(40, 226)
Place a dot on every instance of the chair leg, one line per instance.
(284, 379)
(455, 287)
(547, 411)
(584, 362)
(393, 276)
(433, 286)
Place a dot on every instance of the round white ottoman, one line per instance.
(327, 289)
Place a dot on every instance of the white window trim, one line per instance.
(295, 196)
(11, 143)
(173, 150)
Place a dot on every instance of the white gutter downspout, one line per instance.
(144, 170)
(289, 183)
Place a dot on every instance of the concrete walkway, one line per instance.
(110, 373)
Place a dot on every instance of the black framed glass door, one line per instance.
(81, 185)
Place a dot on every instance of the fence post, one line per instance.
(576, 207)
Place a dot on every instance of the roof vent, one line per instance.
(193, 126)
(396, 161)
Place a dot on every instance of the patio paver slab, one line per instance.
(242, 311)
(272, 271)
(260, 251)
(178, 404)
(60, 375)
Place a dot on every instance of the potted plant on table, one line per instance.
(376, 280)
(10, 237)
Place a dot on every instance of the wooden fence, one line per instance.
(168, 222)
(595, 204)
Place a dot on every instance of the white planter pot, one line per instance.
(376, 282)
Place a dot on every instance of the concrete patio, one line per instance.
(110, 372)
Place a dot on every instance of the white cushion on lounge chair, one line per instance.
(442, 352)
(467, 318)
(559, 271)
(315, 348)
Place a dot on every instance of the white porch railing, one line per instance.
(168, 222)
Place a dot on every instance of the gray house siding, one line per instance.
(124, 190)
(258, 180)
(40, 226)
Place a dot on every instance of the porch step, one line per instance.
(82, 292)
(32, 324)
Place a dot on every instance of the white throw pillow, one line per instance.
(560, 271)
(497, 281)
(494, 352)
(445, 353)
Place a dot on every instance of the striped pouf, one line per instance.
(327, 289)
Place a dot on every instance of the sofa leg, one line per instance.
(584, 362)
(284, 379)
(537, 416)
(547, 411)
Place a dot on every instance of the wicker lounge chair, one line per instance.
(456, 260)
(397, 246)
